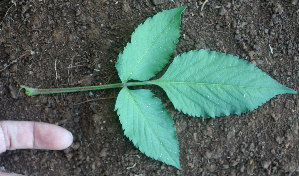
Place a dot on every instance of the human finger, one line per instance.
(9, 174)
(33, 135)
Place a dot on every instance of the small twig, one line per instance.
(271, 49)
(14, 61)
(13, 4)
(87, 101)
(76, 66)
(203, 4)
(61, 122)
(136, 156)
(68, 69)
(56, 69)
(131, 166)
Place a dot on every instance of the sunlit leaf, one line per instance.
(152, 44)
(204, 83)
(147, 123)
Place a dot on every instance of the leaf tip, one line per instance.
(177, 165)
(291, 91)
(181, 9)
(287, 90)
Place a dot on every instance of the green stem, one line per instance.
(32, 91)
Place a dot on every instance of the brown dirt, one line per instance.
(61, 43)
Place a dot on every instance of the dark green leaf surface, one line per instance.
(204, 83)
(147, 123)
(152, 44)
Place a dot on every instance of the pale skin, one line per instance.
(32, 135)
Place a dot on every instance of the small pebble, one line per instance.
(13, 92)
(266, 164)
(222, 11)
(103, 153)
(266, 31)
(294, 2)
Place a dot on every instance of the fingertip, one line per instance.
(2, 140)
(33, 135)
(62, 140)
(51, 137)
(67, 141)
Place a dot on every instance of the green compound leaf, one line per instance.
(204, 83)
(147, 123)
(151, 47)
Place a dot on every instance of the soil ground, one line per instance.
(61, 43)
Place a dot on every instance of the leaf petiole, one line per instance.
(33, 91)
